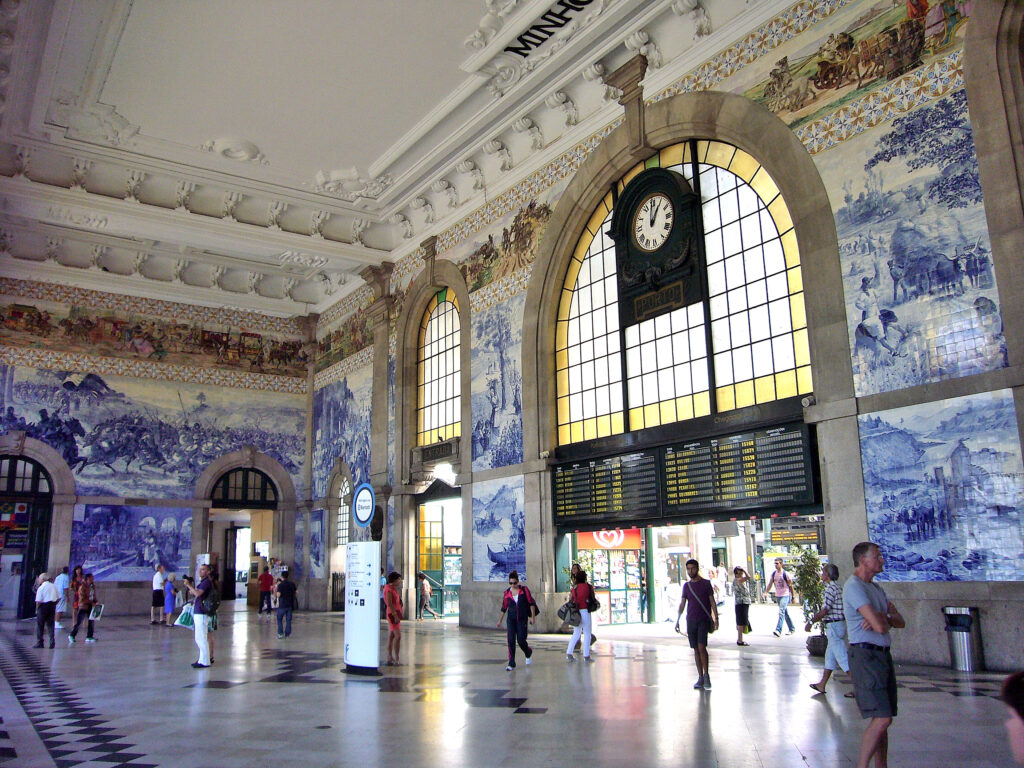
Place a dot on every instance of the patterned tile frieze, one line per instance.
(169, 310)
(501, 290)
(144, 369)
(358, 299)
(340, 370)
(894, 99)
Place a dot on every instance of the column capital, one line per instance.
(378, 278)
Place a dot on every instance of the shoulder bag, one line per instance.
(711, 619)
(570, 613)
(593, 604)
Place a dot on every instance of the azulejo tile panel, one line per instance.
(144, 369)
(499, 534)
(340, 370)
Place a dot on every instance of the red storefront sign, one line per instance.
(616, 539)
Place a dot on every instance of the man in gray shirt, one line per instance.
(869, 617)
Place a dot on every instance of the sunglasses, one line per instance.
(514, 583)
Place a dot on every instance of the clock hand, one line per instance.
(654, 211)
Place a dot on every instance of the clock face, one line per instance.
(653, 221)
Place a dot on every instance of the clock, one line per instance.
(652, 222)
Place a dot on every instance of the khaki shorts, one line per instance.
(874, 681)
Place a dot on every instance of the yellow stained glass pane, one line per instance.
(702, 403)
(743, 165)
(790, 248)
(636, 419)
(785, 384)
(684, 407)
(801, 350)
(725, 397)
(562, 385)
(636, 169)
(765, 186)
(803, 380)
(589, 429)
(561, 359)
(618, 423)
(744, 394)
(573, 272)
(764, 389)
(652, 415)
(577, 431)
(673, 155)
(796, 280)
(780, 213)
(668, 411)
(796, 309)
(604, 426)
(563, 434)
(561, 334)
(563, 410)
(720, 154)
(597, 218)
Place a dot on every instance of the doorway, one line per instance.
(244, 503)
(439, 547)
(26, 511)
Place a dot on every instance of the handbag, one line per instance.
(711, 619)
(569, 613)
(593, 604)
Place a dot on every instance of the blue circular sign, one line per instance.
(363, 503)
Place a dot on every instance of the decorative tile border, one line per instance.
(358, 299)
(167, 310)
(340, 370)
(501, 290)
(143, 369)
(892, 100)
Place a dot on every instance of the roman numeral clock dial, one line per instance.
(653, 221)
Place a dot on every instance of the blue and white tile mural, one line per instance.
(389, 557)
(921, 295)
(117, 543)
(297, 569)
(145, 438)
(497, 384)
(499, 537)
(944, 488)
(341, 428)
(391, 419)
(316, 544)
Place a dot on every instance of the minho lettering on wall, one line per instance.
(546, 26)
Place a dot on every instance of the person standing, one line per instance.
(783, 586)
(1013, 697)
(77, 577)
(47, 598)
(741, 596)
(266, 581)
(425, 594)
(517, 608)
(170, 593)
(869, 618)
(86, 601)
(834, 620)
(582, 595)
(701, 619)
(62, 583)
(157, 605)
(200, 624)
(392, 597)
(286, 590)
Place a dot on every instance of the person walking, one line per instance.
(286, 591)
(783, 586)
(517, 608)
(266, 582)
(741, 597)
(701, 620)
(86, 601)
(573, 570)
(869, 618)
(62, 583)
(392, 597)
(582, 594)
(200, 623)
(426, 592)
(77, 577)
(47, 598)
(157, 604)
(170, 593)
(834, 620)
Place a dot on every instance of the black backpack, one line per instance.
(212, 601)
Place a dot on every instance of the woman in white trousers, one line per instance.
(581, 595)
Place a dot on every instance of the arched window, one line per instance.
(439, 400)
(344, 512)
(245, 489)
(23, 477)
(745, 343)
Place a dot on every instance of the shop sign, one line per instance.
(631, 538)
(16, 538)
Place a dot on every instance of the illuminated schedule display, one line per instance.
(766, 468)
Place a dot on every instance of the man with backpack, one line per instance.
(783, 586)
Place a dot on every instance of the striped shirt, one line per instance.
(833, 603)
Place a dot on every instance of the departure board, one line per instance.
(619, 487)
(766, 468)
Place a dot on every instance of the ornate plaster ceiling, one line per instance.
(261, 154)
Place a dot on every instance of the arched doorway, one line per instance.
(241, 527)
(26, 513)
(439, 545)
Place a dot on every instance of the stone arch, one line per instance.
(705, 115)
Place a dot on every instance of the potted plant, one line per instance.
(812, 592)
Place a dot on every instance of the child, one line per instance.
(170, 592)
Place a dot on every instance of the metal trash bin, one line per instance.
(963, 627)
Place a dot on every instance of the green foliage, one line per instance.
(809, 584)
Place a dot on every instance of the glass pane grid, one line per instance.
(439, 390)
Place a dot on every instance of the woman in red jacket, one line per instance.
(583, 596)
(393, 612)
(520, 607)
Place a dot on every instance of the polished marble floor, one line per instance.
(132, 699)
